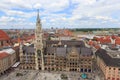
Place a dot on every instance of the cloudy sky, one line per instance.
(60, 13)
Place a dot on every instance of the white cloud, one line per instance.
(14, 12)
(89, 13)
(17, 8)
(49, 5)
(10, 19)
(105, 18)
(37, 6)
(93, 7)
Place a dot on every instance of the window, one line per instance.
(118, 79)
(81, 70)
(118, 72)
(85, 70)
(108, 77)
(113, 68)
(113, 78)
(89, 70)
(81, 59)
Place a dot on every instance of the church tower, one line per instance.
(39, 57)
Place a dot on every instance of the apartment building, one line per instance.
(7, 59)
(109, 63)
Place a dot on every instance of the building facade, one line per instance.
(27, 57)
(4, 65)
(7, 59)
(58, 55)
(109, 63)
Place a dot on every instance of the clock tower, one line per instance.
(39, 57)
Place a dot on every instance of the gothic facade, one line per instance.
(61, 55)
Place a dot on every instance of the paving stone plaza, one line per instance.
(39, 75)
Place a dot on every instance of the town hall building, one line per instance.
(58, 55)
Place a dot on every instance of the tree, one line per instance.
(19, 74)
(64, 77)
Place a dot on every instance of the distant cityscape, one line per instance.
(59, 54)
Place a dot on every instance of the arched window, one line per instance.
(39, 68)
(85, 70)
(81, 70)
(89, 70)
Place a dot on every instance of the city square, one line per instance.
(43, 75)
(59, 40)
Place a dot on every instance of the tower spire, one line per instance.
(38, 17)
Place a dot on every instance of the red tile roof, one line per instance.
(65, 32)
(117, 40)
(90, 42)
(105, 39)
(97, 46)
(114, 37)
(3, 36)
(3, 55)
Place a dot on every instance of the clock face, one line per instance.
(39, 52)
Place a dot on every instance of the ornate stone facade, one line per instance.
(61, 55)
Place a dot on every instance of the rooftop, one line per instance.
(109, 57)
(3, 36)
(113, 53)
(68, 43)
(60, 51)
(3, 55)
(8, 50)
